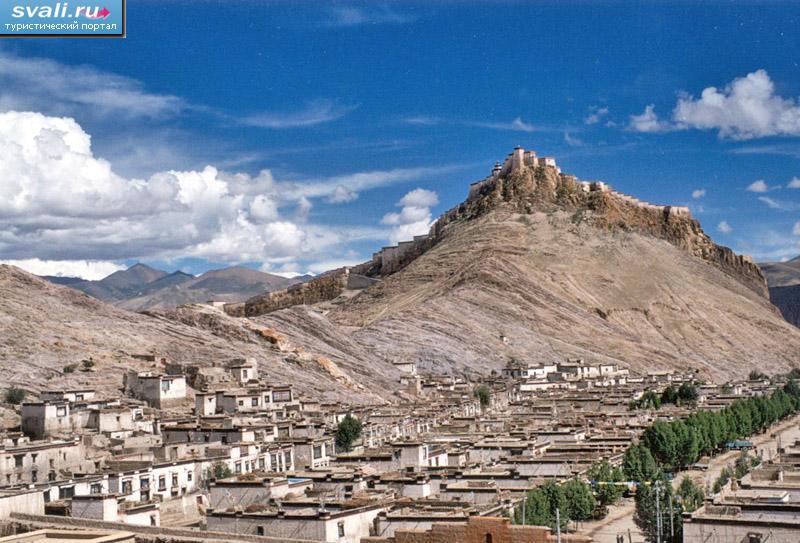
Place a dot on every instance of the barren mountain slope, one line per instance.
(229, 284)
(554, 285)
(45, 327)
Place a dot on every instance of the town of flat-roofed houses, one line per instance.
(617, 435)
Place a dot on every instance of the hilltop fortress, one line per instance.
(524, 183)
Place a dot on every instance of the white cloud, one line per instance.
(796, 229)
(570, 140)
(314, 113)
(746, 108)
(794, 183)
(517, 125)
(343, 16)
(85, 269)
(648, 121)
(420, 198)
(342, 195)
(773, 203)
(724, 227)
(59, 202)
(414, 218)
(758, 186)
(698, 193)
(596, 114)
(44, 85)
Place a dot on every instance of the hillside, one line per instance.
(46, 327)
(539, 266)
(783, 279)
(140, 287)
(234, 284)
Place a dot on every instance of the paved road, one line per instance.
(620, 516)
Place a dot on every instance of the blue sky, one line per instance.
(321, 122)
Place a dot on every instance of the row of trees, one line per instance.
(685, 394)
(679, 443)
(573, 500)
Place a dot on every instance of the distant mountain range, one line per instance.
(783, 279)
(141, 287)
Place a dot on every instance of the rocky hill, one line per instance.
(538, 266)
(47, 327)
(783, 279)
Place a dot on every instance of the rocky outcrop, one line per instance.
(323, 288)
(526, 186)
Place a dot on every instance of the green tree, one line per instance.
(483, 394)
(580, 500)
(691, 495)
(347, 432)
(646, 512)
(639, 464)
(670, 395)
(556, 499)
(536, 510)
(14, 395)
(687, 393)
(604, 475)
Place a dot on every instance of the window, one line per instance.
(34, 476)
(488, 538)
(189, 476)
(287, 459)
(127, 486)
(162, 482)
(244, 374)
(34, 457)
(78, 397)
(18, 460)
(61, 412)
(259, 530)
(52, 463)
(281, 396)
(144, 483)
(96, 488)
(254, 402)
(237, 468)
(166, 384)
(340, 525)
(317, 452)
(174, 479)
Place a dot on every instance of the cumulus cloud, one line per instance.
(758, 186)
(58, 201)
(746, 108)
(414, 218)
(85, 269)
(342, 195)
(698, 193)
(794, 183)
(724, 227)
(648, 121)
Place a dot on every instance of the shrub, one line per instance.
(14, 395)
(70, 368)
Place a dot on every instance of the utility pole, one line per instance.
(671, 521)
(658, 515)
(558, 526)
